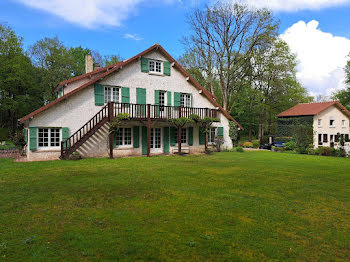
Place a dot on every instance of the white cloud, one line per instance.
(295, 5)
(322, 57)
(90, 13)
(133, 37)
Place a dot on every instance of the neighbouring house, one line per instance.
(150, 87)
(328, 119)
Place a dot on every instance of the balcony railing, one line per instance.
(140, 111)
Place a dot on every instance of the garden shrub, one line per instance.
(290, 146)
(239, 149)
(247, 144)
(303, 137)
(256, 144)
(323, 151)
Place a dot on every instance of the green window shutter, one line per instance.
(190, 136)
(25, 132)
(166, 68)
(141, 99)
(114, 140)
(166, 140)
(99, 95)
(144, 140)
(156, 97)
(177, 99)
(220, 131)
(33, 134)
(144, 65)
(65, 133)
(156, 102)
(191, 100)
(201, 137)
(172, 136)
(141, 96)
(125, 95)
(136, 136)
(168, 98)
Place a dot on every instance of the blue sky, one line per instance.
(126, 27)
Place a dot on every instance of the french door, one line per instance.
(156, 139)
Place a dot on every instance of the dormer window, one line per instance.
(155, 66)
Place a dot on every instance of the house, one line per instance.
(150, 88)
(328, 119)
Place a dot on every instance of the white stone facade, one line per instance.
(79, 108)
(328, 124)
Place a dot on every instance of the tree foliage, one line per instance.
(343, 96)
(20, 91)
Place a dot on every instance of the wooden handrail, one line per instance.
(135, 111)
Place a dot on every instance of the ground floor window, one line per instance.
(325, 138)
(183, 135)
(49, 137)
(211, 135)
(155, 137)
(123, 137)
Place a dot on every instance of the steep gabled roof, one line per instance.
(309, 109)
(113, 68)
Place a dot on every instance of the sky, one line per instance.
(317, 31)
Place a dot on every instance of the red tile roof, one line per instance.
(309, 109)
(112, 68)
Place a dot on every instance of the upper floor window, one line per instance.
(319, 122)
(186, 100)
(112, 94)
(162, 98)
(49, 137)
(343, 122)
(155, 66)
(331, 122)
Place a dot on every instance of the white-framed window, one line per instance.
(156, 138)
(211, 135)
(162, 98)
(123, 137)
(49, 137)
(155, 66)
(112, 94)
(331, 122)
(343, 123)
(319, 122)
(183, 136)
(185, 100)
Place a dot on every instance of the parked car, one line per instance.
(269, 146)
(278, 144)
(265, 146)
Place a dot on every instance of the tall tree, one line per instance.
(223, 37)
(54, 61)
(20, 92)
(343, 96)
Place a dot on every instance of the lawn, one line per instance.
(250, 206)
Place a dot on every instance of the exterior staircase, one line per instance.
(71, 144)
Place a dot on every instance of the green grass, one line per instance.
(250, 206)
(8, 145)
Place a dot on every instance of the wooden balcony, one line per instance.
(156, 112)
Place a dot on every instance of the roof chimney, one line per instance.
(97, 66)
(89, 64)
